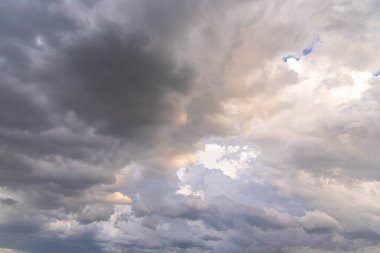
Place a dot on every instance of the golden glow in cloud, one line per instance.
(117, 198)
(182, 160)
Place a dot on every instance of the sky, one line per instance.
(189, 126)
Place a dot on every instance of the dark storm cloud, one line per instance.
(76, 104)
(18, 170)
(113, 81)
(59, 104)
(18, 111)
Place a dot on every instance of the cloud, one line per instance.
(5, 250)
(187, 109)
(318, 222)
(8, 201)
(117, 198)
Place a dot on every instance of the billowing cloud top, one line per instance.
(189, 126)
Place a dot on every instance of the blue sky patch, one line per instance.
(305, 52)
(308, 50)
(285, 58)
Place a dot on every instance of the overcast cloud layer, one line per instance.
(189, 126)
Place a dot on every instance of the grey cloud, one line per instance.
(95, 212)
(107, 82)
(367, 235)
(240, 223)
(318, 222)
(82, 243)
(342, 142)
(99, 97)
(23, 21)
(77, 104)
(114, 82)
(8, 201)
(20, 170)
(19, 111)
(211, 238)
